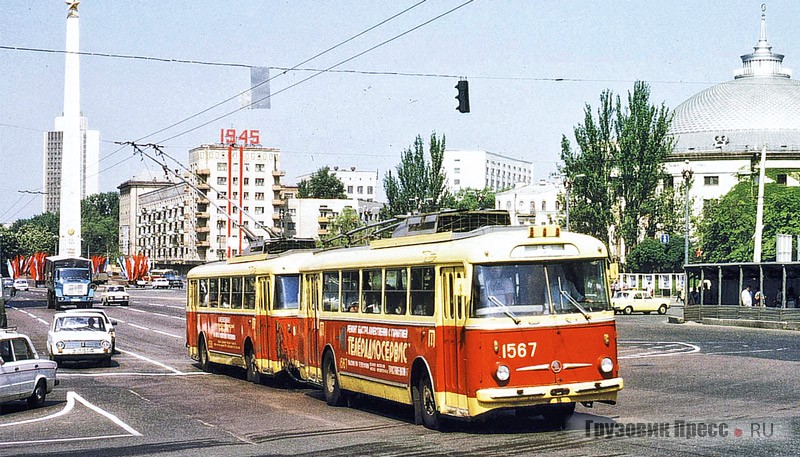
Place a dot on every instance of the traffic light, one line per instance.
(463, 96)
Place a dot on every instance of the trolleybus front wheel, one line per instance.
(333, 393)
(427, 404)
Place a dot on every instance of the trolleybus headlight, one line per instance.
(60, 345)
(606, 365)
(502, 373)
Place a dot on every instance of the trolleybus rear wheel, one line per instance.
(202, 356)
(333, 394)
(427, 404)
(252, 370)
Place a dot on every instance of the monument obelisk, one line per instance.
(69, 232)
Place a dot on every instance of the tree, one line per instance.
(591, 199)
(321, 184)
(472, 199)
(727, 228)
(344, 222)
(643, 143)
(652, 256)
(420, 185)
(100, 223)
(99, 229)
(618, 167)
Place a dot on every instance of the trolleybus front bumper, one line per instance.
(605, 390)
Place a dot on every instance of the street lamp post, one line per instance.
(567, 186)
(687, 178)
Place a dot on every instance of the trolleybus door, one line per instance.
(454, 315)
(262, 313)
(313, 329)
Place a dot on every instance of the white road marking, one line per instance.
(683, 348)
(71, 398)
(154, 362)
(167, 334)
(121, 374)
(748, 352)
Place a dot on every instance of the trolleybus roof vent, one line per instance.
(456, 221)
(277, 245)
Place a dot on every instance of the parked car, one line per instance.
(23, 375)
(161, 283)
(115, 295)
(111, 325)
(8, 283)
(640, 301)
(21, 284)
(79, 335)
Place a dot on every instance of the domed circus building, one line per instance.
(720, 132)
(719, 136)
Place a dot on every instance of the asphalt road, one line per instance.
(689, 390)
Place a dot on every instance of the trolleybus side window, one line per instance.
(224, 292)
(395, 290)
(249, 292)
(236, 293)
(422, 288)
(350, 291)
(287, 292)
(213, 292)
(330, 291)
(371, 291)
(202, 292)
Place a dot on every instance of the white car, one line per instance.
(79, 335)
(21, 284)
(111, 325)
(115, 295)
(23, 375)
(161, 283)
(640, 301)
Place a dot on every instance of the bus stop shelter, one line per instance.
(718, 289)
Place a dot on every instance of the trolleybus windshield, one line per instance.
(529, 289)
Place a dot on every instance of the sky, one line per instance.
(532, 67)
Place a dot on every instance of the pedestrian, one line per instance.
(759, 299)
(694, 297)
(746, 298)
(708, 299)
(779, 299)
(791, 298)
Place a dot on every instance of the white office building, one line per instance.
(358, 184)
(532, 204)
(484, 169)
(240, 197)
(89, 164)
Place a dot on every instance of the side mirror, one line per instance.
(114, 323)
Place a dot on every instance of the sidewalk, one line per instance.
(737, 316)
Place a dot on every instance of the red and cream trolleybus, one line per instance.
(464, 323)
(245, 312)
